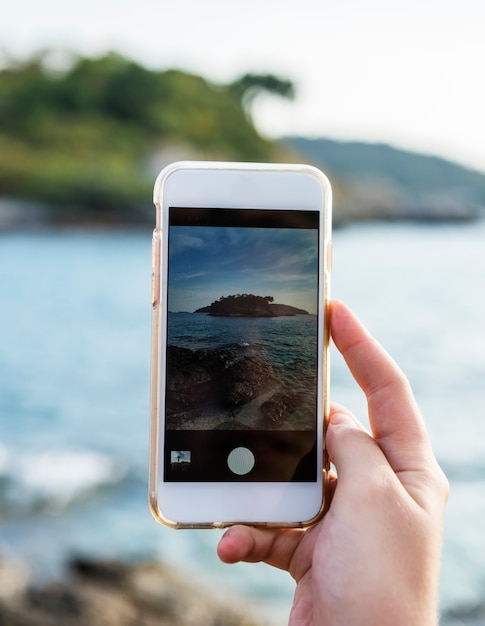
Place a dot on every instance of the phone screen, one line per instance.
(241, 375)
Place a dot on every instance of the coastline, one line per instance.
(116, 593)
(148, 593)
(229, 387)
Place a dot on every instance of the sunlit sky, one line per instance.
(406, 73)
(209, 262)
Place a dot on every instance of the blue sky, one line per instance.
(209, 262)
(406, 73)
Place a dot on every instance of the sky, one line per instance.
(206, 263)
(405, 73)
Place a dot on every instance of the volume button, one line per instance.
(155, 270)
(328, 260)
(155, 290)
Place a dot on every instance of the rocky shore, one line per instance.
(113, 593)
(224, 388)
(224, 376)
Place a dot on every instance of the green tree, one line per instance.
(80, 139)
(248, 87)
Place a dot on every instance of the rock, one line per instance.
(222, 376)
(188, 382)
(279, 408)
(107, 572)
(55, 599)
(113, 593)
(246, 379)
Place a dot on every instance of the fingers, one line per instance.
(397, 426)
(357, 457)
(394, 417)
(336, 408)
(245, 543)
(352, 448)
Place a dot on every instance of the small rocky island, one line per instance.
(248, 305)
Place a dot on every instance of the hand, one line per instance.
(374, 558)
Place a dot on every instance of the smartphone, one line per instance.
(239, 365)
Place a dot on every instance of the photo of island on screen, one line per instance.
(242, 330)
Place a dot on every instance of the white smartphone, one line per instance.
(239, 382)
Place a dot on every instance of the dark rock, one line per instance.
(110, 572)
(150, 595)
(279, 407)
(55, 599)
(246, 379)
(219, 377)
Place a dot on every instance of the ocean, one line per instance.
(74, 393)
(285, 341)
(287, 344)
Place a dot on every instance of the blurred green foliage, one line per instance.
(82, 139)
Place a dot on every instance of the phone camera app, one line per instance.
(242, 345)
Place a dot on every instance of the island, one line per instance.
(249, 305)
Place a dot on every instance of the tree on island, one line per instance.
(249, 305)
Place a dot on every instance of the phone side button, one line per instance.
(329, 256)
(155, 269)
(155, 289)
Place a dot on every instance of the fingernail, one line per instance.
(342, 419)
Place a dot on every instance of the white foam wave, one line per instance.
(54, 479)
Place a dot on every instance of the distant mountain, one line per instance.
(378, 180)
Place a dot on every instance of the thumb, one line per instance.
(353, 452)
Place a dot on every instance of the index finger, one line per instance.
(394, 416)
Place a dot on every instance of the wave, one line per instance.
(53, 480)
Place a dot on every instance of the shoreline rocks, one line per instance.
(97, 592)
(224, 376)
(114, 593)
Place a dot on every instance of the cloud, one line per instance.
(188, 276)
(183, 241)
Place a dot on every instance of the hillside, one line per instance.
(85, 143)
(378, 180)
(88, 141)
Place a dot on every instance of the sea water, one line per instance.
(74, 393)
(288, 344)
